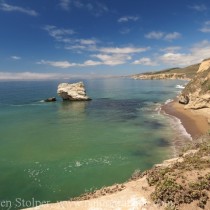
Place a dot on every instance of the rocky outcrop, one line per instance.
(183, 99)
(53, 99)
(160, 76)
(198, 89)
(204, 66)
(198, 101)
(73, 92)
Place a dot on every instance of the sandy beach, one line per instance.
(194, 121)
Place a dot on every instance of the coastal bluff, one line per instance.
(160, 76)
(198, 89)
(72, 92)
(196, 94)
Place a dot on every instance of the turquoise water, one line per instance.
(56, 151)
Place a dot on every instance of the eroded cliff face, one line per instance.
(198, 89)
(160, 76)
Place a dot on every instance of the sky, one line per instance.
(49, 39)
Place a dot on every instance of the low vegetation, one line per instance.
(185, 181)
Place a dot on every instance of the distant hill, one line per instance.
(172, 73)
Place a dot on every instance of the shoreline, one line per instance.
(136, 193)
(195, 122)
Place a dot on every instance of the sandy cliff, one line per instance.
(160, 76)
(198, 89)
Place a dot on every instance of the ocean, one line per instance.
(56, 151)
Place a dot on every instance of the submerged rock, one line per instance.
(73, 92)
(53, 99)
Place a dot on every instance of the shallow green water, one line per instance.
(55, 151)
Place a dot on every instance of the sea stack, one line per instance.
(72, 92)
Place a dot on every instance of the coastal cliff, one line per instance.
(186, 73)
(160, 76)
(196, 94)
(198, 89)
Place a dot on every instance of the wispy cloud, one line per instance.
(66, 37)
(59, 64)
(106, 56)
(59, 34)
(93, 6)
(198, 7)
(112, 60)
(14, 57)
(172, 36)
(171, 49)
(145, 61)
(206, 27)
(127, 18)
(65, 4)
(123, 50)
(102, 55)
(12, 8)
(155, 35)
(162, 35)
(196, 54)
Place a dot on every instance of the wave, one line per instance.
(181, 136)
(180, 86)
(168, 101)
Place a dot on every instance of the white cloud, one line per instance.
(94, 7)
(155, 35)
(59, 34)
(127, 18)
(112, 60)
(199, 7)
(87, 41)
(171, 49)
(59, 64)
(196, 54)
(14, 57)
(172, 36)
(103, 59)
(122, 50)
(162, 35)
(12, 8)
(106, 55)
(65, 4)
(91, 63)
(206, 27)
(145, 61)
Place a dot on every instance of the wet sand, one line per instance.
(194, 121)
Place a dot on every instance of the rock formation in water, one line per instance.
(53, 99)
(198, 89)
(73, 92)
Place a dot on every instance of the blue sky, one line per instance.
(47, 39)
